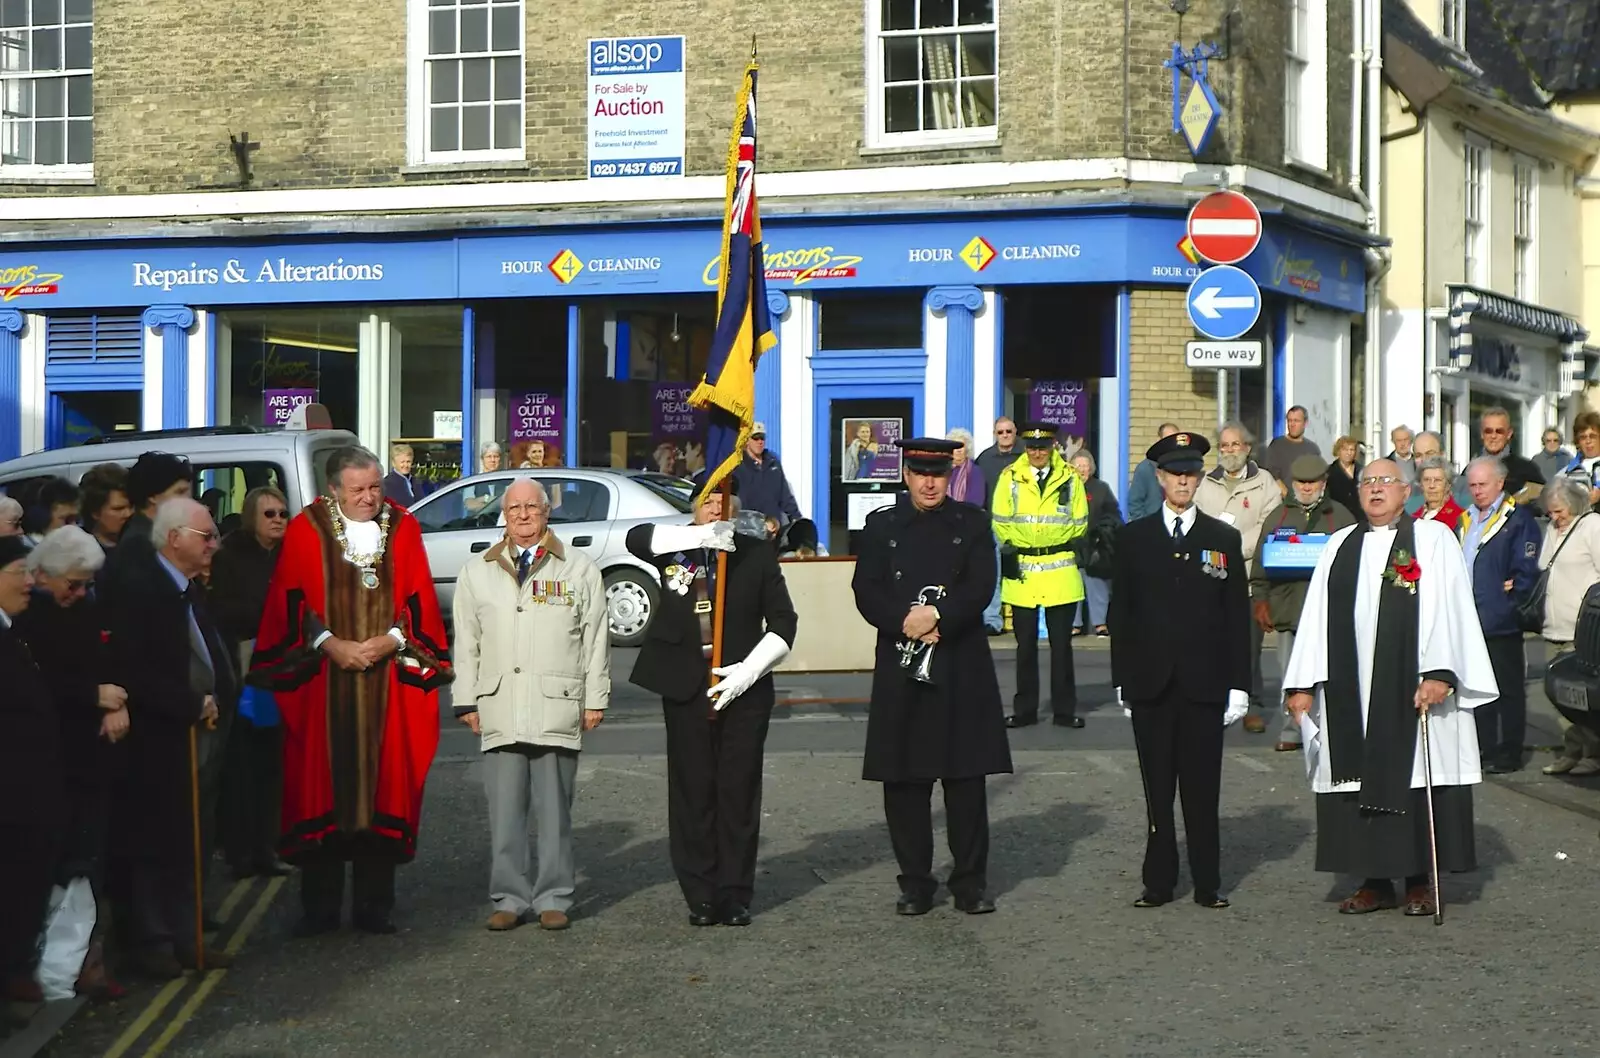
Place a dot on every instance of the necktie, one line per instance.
(524, 563)
(1177, 532)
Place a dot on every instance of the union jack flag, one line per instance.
(744, 328)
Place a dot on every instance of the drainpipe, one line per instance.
(1366, 184)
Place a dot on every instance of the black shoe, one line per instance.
(315, 926)
(379, 924)
(1502, 767)
(1067, 721)
(702, 915)
(1020, 720)
(982, 904)
(1215, 901)
(913, 904)
(735, 915)
(1150, 899)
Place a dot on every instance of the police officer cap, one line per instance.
(1308, 468)
(928, 455)
(1181, 453)
(1039, 435)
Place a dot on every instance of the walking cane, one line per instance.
(1433, 838)
(194, 804)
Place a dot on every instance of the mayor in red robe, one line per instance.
(353, 647)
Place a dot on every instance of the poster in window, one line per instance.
(869, 449)
(677, 431)
(535, 430)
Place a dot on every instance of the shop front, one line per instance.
(578, 345)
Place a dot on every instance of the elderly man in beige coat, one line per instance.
(1242, 493)
(532, 675)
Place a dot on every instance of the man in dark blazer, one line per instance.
(165, 649)
(715, 747)
(951, 729)
(1179, 580)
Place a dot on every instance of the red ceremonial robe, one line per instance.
(357, 745)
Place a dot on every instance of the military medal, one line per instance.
(679, 578)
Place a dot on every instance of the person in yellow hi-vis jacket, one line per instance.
(1041, 510)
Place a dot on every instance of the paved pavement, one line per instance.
(1067, 966)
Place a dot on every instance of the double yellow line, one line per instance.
(207, 982)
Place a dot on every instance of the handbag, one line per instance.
(259, 707)
(1530, 612)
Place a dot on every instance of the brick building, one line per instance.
(457, 221)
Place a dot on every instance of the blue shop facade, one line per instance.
(575, 345)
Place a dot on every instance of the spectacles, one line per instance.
(521, 509)
(211, 536)
(277, 513)
(1496, 431)
(1381, 483)
(1005, 431)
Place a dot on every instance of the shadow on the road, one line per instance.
(1264, 835)
(616, 865)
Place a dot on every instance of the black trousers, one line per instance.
(252, 795)
(1503, 723)
(714, 795)
(1180, 752)
(908, 808)
(322, 889)
(163, 905)
(1063, 684)
(31, 850)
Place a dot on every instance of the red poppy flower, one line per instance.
(1410, 573)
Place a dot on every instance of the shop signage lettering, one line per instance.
(1048, 252)
(636, 107)
(281, 403)
(1063, 404)
(521, 268)
(930, 255)
(284, 372)
(625, 264)
(1301, 273)
(279, 271)
(26, 280)
(795, 266)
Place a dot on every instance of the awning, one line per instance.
(1469, 304)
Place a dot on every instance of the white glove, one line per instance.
(1125, 710)
(739, 677)
(1238, 705)
(669, 539)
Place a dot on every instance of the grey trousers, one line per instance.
(1290, 731)
(538, 782)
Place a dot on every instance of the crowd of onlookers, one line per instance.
(95, 722)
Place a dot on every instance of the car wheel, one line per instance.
(630, 603)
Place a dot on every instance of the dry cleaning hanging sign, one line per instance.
(636, 94)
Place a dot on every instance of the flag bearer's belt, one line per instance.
(1035, 552)
(702, 610)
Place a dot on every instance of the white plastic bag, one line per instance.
(67, 927)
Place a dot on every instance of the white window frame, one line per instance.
(418, 152)
(876, 137)
(1305, 85)
(1525, 229)
(1453, 22)
(63, 172)
(1477, 176)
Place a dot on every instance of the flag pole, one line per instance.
(725, 490)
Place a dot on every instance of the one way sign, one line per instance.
(1224, 302)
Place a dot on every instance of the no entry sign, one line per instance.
(1225, 227)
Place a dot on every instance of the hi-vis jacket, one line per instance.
(1041, 523)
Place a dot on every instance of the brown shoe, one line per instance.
(1419, 901)
(215, 960)
(501, 921)
(554, 920)
(1286, 747)
(1364, 901)
(1254, 724)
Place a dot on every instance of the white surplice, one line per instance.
(1449, 638)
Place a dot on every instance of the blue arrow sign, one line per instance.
(1224, 302)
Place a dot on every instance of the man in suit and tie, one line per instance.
(1180, 567)
(714, 749)
(166, 650)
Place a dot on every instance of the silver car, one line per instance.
(590, 509)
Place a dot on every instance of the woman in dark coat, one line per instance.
(253, 776)
(1344, 473)
(103, 504)
(62, 629)
(30, 785)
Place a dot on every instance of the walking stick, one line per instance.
(1433, 837)
(194, 805)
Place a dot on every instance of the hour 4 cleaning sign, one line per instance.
(636, 95)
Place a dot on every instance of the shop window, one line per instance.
(270, 361)
(871, 321)
(933, 70)
(465, 71)
(46, 87)
(426, 342)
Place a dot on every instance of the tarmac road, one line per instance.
(1066, 967)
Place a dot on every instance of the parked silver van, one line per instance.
(228, 461)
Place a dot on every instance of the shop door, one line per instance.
(857, 463)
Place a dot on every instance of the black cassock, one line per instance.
(954, 728)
